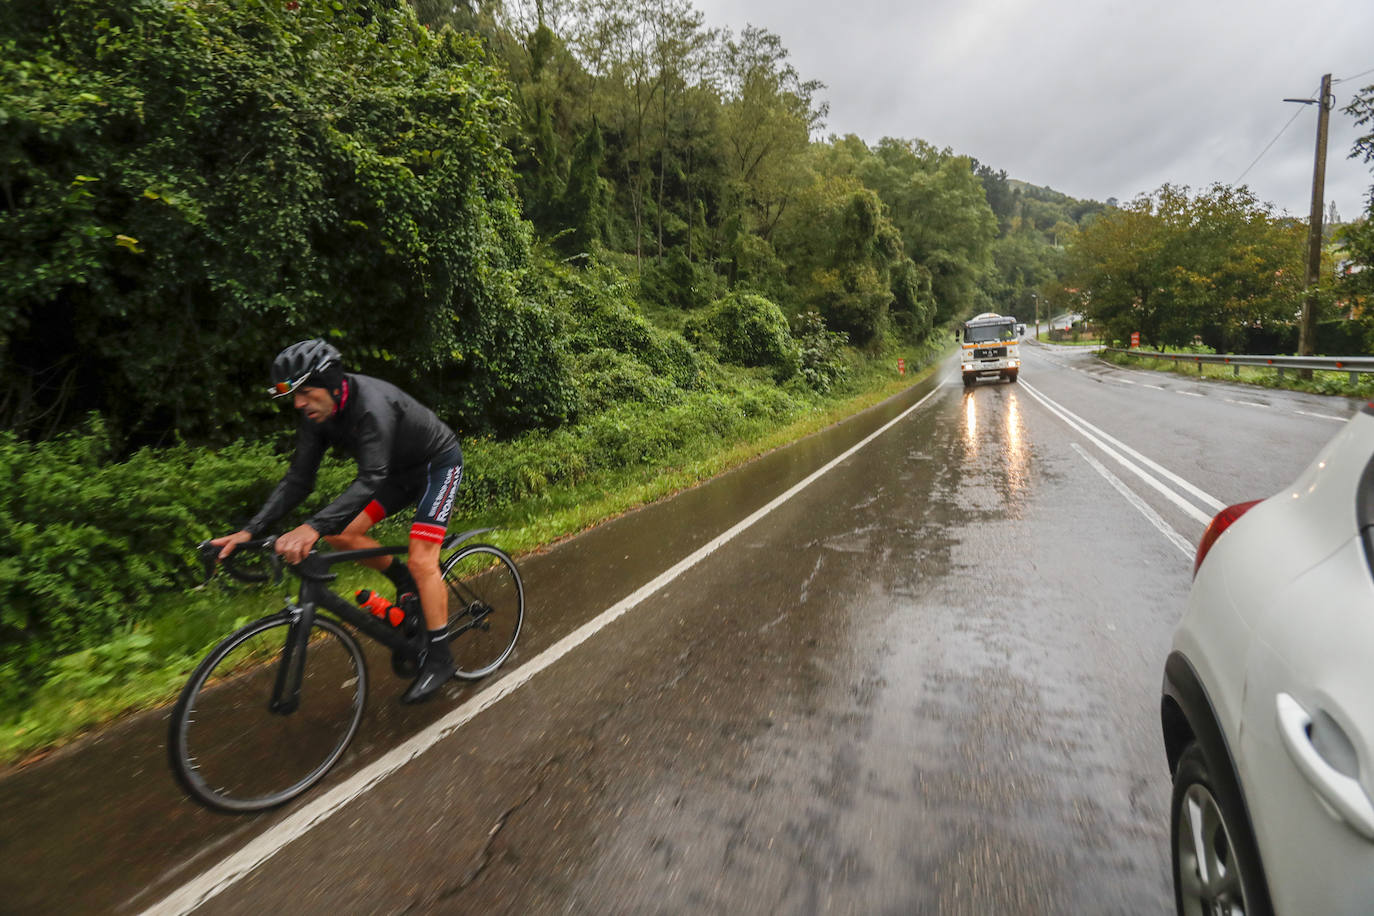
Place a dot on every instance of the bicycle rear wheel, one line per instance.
(486, 606)
(229, 750)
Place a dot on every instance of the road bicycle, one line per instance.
(275, 704)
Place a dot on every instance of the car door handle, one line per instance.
(1345, 795)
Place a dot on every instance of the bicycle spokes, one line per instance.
(486, 608)
(235, 745)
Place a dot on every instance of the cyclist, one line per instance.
(405, 455)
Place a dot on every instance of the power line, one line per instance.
(1271, 143)
(1346, 79)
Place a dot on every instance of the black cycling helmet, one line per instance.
(310, 360)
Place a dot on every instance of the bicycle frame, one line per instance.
(314, 572)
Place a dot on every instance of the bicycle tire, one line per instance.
(229, 751)
(486, 608)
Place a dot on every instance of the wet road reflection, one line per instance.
(1018, 455)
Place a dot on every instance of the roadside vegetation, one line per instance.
(1218, 271)
(1322, 382)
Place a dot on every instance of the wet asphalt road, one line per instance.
(927, 683)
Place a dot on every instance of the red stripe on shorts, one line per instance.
(423, 532)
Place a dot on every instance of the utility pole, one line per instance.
(1307, 332)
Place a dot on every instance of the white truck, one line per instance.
(990, 348)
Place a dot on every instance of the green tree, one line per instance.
(999, 193)
(582, 210)
(841, 250)
(1220, 266)
(766, 120)
(1357, 237)
(938, 204)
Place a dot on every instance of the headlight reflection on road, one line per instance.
(1018, 453)
(1007, 448)
(970, 425)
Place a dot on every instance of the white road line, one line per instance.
(1246, 403)
(1097, 436)
(1155, 387)
(220, 877)
(1320, 416)
(1191, 394)
(1143, 507)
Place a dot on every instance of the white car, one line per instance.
(1268, 700)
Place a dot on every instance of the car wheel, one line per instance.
(1216, 862)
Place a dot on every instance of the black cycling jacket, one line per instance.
(384, 429)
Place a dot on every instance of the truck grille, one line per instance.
(987, 353)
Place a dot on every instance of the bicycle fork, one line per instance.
(286, 693)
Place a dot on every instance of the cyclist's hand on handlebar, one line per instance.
(297, 543)
(229, 542)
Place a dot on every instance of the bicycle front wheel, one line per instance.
(231, 751)
(486, 606)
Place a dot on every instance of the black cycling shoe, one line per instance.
(433, 675)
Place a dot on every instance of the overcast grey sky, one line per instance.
(1095, 98)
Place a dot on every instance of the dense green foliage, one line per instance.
(748, 330)
(685, 154)
(1219, 269)
(186, 186)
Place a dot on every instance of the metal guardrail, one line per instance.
(1355, 365)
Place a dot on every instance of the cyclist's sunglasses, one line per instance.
(282, 389)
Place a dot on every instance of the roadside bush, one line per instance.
(821, 351)
(747, 330)
(607, 378)
(676, 282)
(499, 474)
(603, 314)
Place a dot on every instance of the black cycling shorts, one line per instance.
(432, 489)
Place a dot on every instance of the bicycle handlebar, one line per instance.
(234, 565)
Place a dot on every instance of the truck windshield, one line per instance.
(987, 332)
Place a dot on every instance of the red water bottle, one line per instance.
(380, 607)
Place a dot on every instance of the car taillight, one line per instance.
(1224, 519)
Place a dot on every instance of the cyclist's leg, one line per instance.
(427, 531)
(355, 536)
(426, 539)
(438, 666)
(394, 494)
(424, 566)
